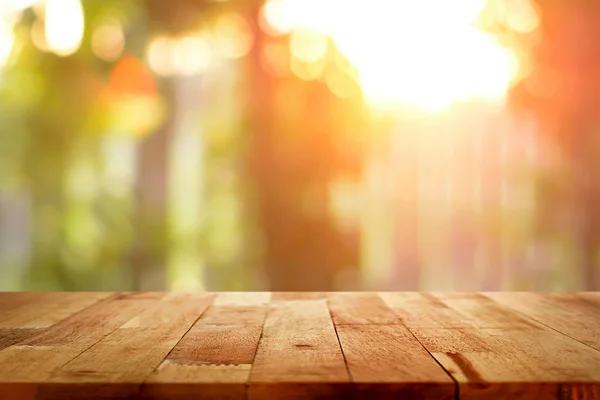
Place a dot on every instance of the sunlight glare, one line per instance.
(64, 26)
(7, 40)
(426, 53)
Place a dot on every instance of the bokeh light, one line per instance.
(108, 40)
(187, 55)
(232, 35)
(308, 46)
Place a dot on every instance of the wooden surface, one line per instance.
(299, 346)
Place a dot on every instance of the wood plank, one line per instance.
(243, 299)
(298, 354)
(46, 309)
(360, 308)
(183, 382)
(386, 361)
(500, 361)
(423, 311)
(482, 312)
(218, 344)
(294, 296)
(591, 297)
(565, 312)
(12, 300)
(33, 361)
(129, 354)
(223, 341)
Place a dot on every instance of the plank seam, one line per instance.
(262, 330)
(456, 385)
(537, 321)
(586, 300)
(113, 297)
(338, 339)
(141, 385)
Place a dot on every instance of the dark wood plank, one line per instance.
(298, 355)
(360, 309)
(8, 337)
(504, 360)
(566, 312)
(386, 361)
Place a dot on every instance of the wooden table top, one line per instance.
(299, 345)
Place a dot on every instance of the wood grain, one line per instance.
(247, 299)
(233, 345)
(565, 312)
(291, 296)
(30, 363)
(8, 337)
(129, 354)
(41, 310)
(184, 382)
(213, 359)
(299, 346)
(504, 360)
(360, 308)
(387, 360)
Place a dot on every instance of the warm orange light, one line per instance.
(132, 99)
(275, 59)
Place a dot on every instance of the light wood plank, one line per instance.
(240, 316)
(360, 309)
(218, 344)
(294, 296)
(500, 360)
(423, 311)
(387, 360)
(298, 346)
(565, 312)
(34, 360)
(223, 341)
(12, 300)
(115, 366)
(45, 309)
(131, 352)
(591, 297)
(174, 381)
(247, 299)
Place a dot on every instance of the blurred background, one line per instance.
(299, 145)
